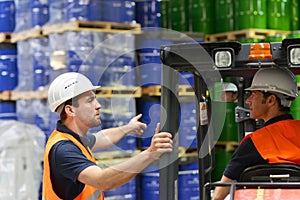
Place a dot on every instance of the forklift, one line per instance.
(211, 62)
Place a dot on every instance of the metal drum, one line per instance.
(295, 15)
(250, 14)
(222, 157)
(279, 14)
(224, 15)
(230, 127)
(200, 16)
(249, 40)
(177, 17)
(275, 38)
(164, 19)
(294, 34)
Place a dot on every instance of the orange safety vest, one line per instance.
(279, 142)
(89, 192)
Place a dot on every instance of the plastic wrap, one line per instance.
(21, 156)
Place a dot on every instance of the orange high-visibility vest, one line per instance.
(279, 142)
(89, 192)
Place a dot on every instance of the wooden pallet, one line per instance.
(26, 34)
(227, 145)
(104, 92)
(183, 90)
(5, 37)
(42, 94)
(187, 156)
(27, 95)
(100, 26)
(186, 90)
(154, 90)
(241, 34)
(183, 151)
(5, 96)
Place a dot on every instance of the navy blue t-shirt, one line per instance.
(66, 163)
(246, 154)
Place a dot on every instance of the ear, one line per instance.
(69, 110)
(235, 95)
(272, 99)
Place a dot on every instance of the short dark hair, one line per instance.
(72, 102)
(281, 107)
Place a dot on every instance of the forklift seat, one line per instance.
(282, 172)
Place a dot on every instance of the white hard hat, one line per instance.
(278, 80)
(229, 87)
(67, 86)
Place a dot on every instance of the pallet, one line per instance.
(28, 95)
(100, 26)
(25, 95)
(241, 34)
(5, 96)
(104, 92)
(187, 156)
(5, 37)
(186, 90)
(26, 34)
(183, 90)
(228, 145)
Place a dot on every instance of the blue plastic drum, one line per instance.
(8, 67)
(118, 11)
(149, 61)
(7, 15)
(39, 13)
(148, 13)
(8, 110)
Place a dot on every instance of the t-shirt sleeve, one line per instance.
(244, 156)
(69, 160)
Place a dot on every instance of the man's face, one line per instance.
(228, 96)
(257, 105)
(88, 110)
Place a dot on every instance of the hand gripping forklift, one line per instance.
(210, 63)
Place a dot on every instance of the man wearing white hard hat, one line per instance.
(271, 94)
(229, 92)
(70, 169)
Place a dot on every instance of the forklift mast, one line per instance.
(210, 63)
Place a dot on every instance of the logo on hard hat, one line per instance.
(71, 84)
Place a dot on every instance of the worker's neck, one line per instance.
(271, 115)
(76, 127)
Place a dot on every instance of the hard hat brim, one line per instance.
(254, 88)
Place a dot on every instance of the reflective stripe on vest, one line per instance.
(89, 192)
(284, 145)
